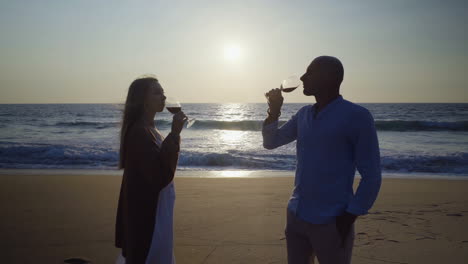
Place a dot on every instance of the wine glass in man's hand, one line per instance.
(275, 97)
(290, 84)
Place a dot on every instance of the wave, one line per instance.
(23, 155)
(19, 155)
(247, 125)
(256, 125)
(394, 125)
(88, 124)
(236, 159)
(456, 163)
(400, 125)
(101, 125)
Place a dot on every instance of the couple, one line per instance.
(334, 138)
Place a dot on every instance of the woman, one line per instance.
(146, 202)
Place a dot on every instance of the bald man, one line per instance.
(334, 138)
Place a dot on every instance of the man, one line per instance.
(334, 137)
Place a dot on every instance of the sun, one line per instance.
(232, 52)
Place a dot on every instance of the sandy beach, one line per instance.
(48, 218)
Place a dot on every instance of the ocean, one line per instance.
(429, 139)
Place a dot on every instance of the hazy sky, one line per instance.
(231, 51)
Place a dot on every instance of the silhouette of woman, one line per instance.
(145, 210)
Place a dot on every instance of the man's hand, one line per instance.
(178, 121)
(344, 223)
(275, 101)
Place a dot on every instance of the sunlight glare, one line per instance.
(235, 174)
(232, 52)
(232, 137)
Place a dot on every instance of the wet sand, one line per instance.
(48, 218)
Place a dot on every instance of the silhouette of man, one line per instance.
(334, 138)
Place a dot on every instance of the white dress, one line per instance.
(162, 244)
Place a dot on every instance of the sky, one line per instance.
(231, 51)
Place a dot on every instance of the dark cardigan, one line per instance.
(147, 170)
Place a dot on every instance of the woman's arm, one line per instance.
(169, 157)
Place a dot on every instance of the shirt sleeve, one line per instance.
(367, 161)
(274, 137)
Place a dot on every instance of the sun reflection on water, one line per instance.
(232, 137)
(235, 174)
(233, 112)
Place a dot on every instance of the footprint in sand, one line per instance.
(454, 215)
(77, 261)
(422, 238)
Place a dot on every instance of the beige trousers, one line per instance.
(306, 241)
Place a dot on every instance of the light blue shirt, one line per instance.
(329, 149)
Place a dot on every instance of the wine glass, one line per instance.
(290, 84)
(173, 106)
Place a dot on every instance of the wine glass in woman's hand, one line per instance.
(174, 107)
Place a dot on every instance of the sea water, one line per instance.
(414, 138)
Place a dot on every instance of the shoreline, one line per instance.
(228, 173)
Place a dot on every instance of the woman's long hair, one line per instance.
(134, 110)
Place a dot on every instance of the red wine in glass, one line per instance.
(174, 107)
(290, 84)
(288, 90)
(174, 110)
